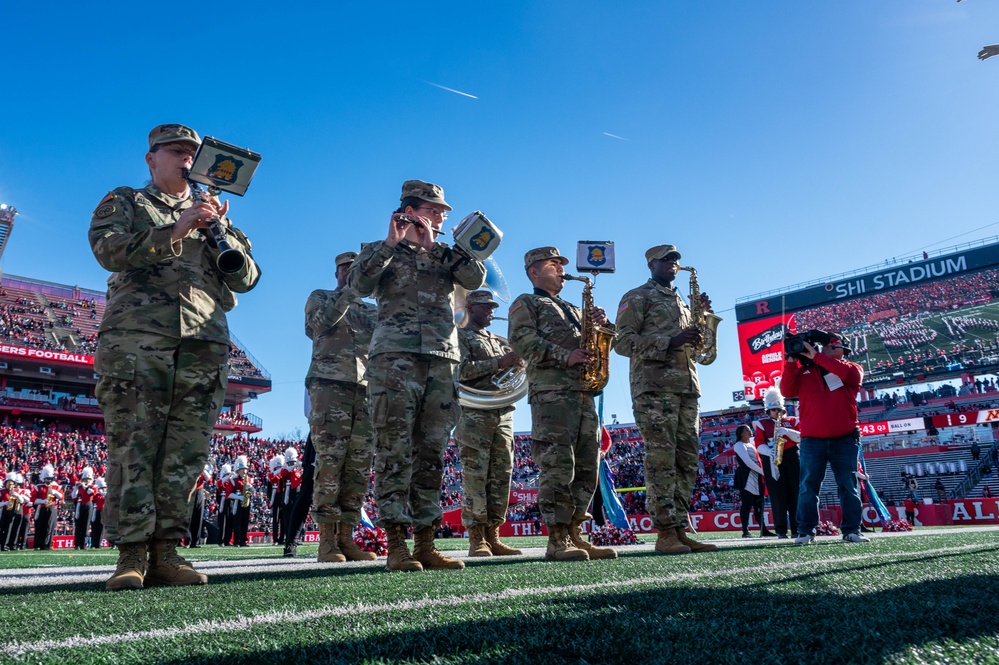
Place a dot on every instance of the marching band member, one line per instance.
(198, 508)
(10, 508)
(546, 332)
(655, 330)
(97, 526)
(484, 436)
(412, 398)
(291, 477)
(83, 496)
(782, 480)
(276, 497)
(222, 506)
(162, 354)
(47, 497)
(238, 491)
(27, 511)
(339, 324)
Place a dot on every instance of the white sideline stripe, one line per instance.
(244, 623)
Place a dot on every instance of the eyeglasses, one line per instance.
(437, 211)
(836, 346)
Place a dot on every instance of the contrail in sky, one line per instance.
(615, 136)
(457, 92)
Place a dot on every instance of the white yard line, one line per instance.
(269, 618)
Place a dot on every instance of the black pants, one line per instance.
(277, 513)
(6, 520)
(21, 539)
(241, 525)
(84, 513)
(784, 491)
(299, 509)
(45, 522)
(97, 530)
(197, 518)
(230, 521)
(751, 502)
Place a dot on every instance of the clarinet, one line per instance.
(230, 259)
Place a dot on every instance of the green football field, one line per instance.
(877, 351)
(925, 597)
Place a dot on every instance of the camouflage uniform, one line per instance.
(163, 358)
(664, 392)
(544, 330)
(412, 398)
(339, 325)
(484, 436)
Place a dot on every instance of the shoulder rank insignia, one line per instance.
(105, 207)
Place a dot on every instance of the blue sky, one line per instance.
(771, 142)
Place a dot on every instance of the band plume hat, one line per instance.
(772, 399)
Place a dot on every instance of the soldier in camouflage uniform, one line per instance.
(546, 332)
(484, 436)
(412, 396)
(163, 355)
(655, 330)
(339, 324)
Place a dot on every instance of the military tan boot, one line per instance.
(668, 543)
(576, 535)
(399, 557)
(681, 535)
(498, 548)
(431, 558)
(329, 550)
(167, 568)
(477, 545)
(348, 547)
(131, 569)
(560, 547)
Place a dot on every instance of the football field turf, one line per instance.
(923, 597)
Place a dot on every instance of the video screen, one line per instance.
(912, 333)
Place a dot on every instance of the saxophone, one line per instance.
(779, 442)
(14, 504)
(707, 322)
(247, 488)
(596, 341)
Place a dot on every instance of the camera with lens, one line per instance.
(794, 345)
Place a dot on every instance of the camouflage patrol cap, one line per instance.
(482, 297)
(346, 257)
(542, 253)
(661, 252)
(173, 133)
(425, 191)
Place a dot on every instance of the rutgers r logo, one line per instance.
(763, 307)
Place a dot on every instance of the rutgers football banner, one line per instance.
(761, 346)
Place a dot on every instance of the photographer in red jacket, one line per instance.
(826, 386)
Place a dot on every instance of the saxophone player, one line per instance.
(781, 471)
(484, 436)
(546, 332)
(656, 331)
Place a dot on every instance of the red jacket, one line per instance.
(763, 431)
(824, 413)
